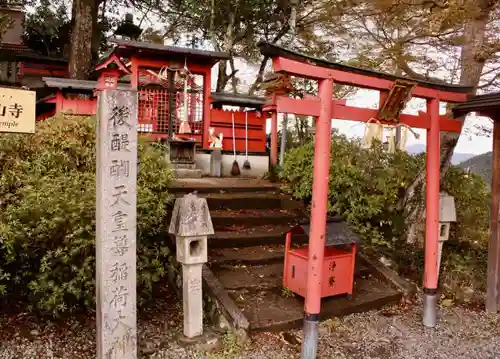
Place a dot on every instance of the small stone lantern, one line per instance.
(191, 224)
(447, 215)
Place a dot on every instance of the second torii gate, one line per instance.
(394, 91)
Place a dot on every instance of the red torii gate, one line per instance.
(325, 108)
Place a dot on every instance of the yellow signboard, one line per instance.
(17, 110)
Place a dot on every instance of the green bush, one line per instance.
(47, 217)
(364, 186)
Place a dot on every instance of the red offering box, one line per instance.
(338, 263)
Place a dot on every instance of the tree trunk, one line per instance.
(80, 57)
(234, 80)
(471, 68)
(96, 31)
(222, 77)
(260, 76)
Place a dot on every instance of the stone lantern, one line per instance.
(447, 215)
(191, 224)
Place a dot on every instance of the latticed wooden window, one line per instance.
(161, 103)
(194, 103)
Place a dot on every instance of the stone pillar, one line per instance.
(116, 225)
(191, 224)
(447, 215)
(216, 162)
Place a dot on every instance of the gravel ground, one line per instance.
(391, 333)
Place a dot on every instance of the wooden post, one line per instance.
(283, 139)
(207, 113)
(319, 207)
(116, 225)
(492, 296)
(274, 139)
(432, 216)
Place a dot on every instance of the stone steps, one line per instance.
(248, 201)
(222, 185)
(255, 286)
(247, 256)
(252, 217)
(241, 237)
(244, 273)
(276, 310)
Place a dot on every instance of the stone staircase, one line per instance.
(246, 255)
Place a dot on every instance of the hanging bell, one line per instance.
(182, 73)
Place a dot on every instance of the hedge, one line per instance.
(47, 217)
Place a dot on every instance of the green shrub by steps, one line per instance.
(366, 187)
(47, 216)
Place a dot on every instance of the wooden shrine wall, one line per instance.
(221, 121)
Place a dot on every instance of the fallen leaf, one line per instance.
(447, 303)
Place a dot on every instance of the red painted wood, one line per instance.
(296, 68)
(337, 267)
(319, 206)
(342, 112)
(74, 106)
(59, 102)
(108, 79)
(113, 59)
(207, 114)
(195, 68)
(221, 121)
(309, 106)
(36, 69)
(80, 107)
(134, 68)
(432, 198)
(46, 115)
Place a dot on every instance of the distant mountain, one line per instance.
(457, 158)
(480, 165)
(415, 149)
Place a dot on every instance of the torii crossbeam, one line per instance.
(324, 108)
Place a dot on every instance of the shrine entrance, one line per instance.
(394, 94)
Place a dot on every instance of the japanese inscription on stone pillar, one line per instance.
(116, 225)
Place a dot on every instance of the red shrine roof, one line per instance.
(129, 48)
(89, 85)
(110, 61)
(272, 51)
